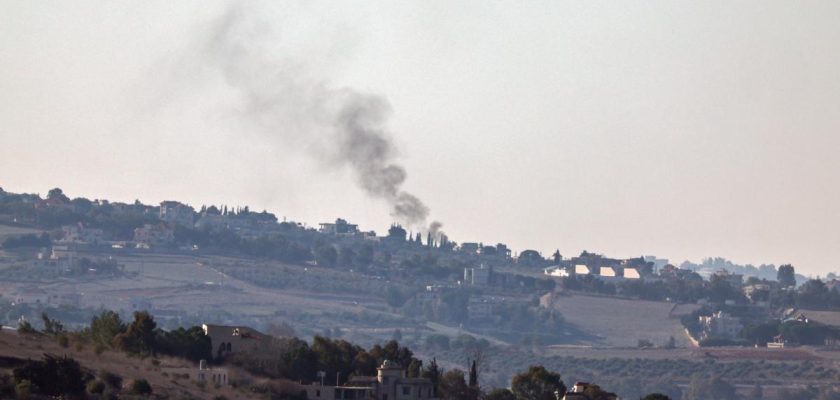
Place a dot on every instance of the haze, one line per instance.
(680, 129)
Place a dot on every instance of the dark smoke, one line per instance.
(342, 127)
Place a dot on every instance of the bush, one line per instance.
(111, 379)
(95, 387)
(63, 341)
(140, 387)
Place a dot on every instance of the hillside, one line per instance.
(13, 345)
(615, 322)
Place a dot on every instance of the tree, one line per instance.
(139, 338)
(140, 387)
(786, 275)
(473, 376)
(25, 327)
(105, 326)
(537, 384)
(500, 394)
(394, 297)
(326, 255)
(51, 326)
(454, 387)
(54, 376)
(57, 194)
(433, 373)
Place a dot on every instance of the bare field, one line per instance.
(615, 322)
(34, 347)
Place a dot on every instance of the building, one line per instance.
(154, 235)
(389, 383)
(177, 213)
(757, 293)
(80, 234)
(720, 325)
(557, 271)
(340, 227)
(216, 376)
(469, 248)
(735, 280)
(232, 339)
(477, 276)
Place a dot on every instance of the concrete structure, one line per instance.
(720, 325)
(232, 339)
(389, 383)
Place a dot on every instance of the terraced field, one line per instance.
(615, 322)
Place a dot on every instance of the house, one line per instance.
(216, 376)
(80, 234)
(758, 293)
(154, 235)
(735, 280)
(232, 339)
(176, 213)
(389, 383)
(720, 325)
(478, 276)
(340, 227)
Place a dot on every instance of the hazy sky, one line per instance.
(680, 129)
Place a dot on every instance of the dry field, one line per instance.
(614, 322)
(33, 347)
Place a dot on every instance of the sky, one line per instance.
(670, 128)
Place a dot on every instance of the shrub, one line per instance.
(95, 387)
(63, 341)
(111, 379)
(140, 387)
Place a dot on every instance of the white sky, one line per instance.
(680, 129)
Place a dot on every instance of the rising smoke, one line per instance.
(342, 127)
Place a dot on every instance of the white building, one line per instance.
(720, 325)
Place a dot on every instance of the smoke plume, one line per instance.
(341, 127)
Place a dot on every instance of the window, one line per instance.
(406, 390)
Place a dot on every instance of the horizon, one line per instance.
(546, 253)
(643, 128)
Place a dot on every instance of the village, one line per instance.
(229, 266)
